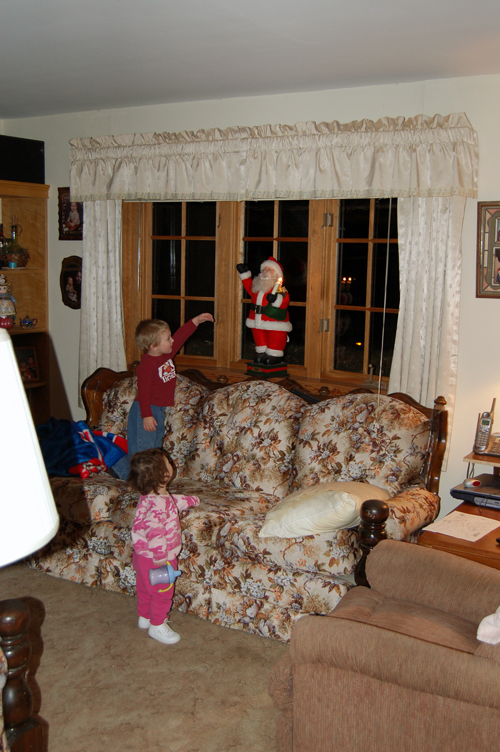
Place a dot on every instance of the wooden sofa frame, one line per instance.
(374, 513)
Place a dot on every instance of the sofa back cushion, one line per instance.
(180, 419)
(364, 437)
(116, 405)
(246, 437)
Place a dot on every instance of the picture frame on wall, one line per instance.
(28, 364)
(70, 281)
(70, 216)
(488, 249)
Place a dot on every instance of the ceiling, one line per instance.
(61, 56)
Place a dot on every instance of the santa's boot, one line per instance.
(272, 360)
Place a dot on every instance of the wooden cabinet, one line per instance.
(28, 202)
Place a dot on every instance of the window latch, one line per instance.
(327, 220)
(324, 325)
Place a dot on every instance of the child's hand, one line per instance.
(202, 317)
(149, 424)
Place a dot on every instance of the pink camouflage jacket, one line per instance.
(156, 532)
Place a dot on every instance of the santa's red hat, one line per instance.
(272, 264)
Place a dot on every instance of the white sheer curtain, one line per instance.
(429, 163)
(424, 362)
(102, 341)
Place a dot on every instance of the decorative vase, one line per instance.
(13, 252)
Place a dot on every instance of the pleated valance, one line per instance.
(420, 156)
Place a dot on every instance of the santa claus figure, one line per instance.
(268, 318)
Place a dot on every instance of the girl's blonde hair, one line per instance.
(148, 332)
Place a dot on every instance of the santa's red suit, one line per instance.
(269, 321)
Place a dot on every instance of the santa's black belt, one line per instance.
(256, 308)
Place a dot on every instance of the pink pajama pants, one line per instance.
(153, 601)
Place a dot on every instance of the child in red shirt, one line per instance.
(156, 378)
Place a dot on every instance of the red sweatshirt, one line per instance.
(156, 376)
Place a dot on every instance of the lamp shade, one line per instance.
(28, 515)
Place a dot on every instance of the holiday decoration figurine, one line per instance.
(7, 307)
(268, 318)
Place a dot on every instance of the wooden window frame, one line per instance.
(321, 291)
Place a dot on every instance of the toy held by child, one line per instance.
(156, 538)
(156, 379)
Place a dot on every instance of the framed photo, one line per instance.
(488, 249)
(70, 216)
(70, 281)
(28, 364)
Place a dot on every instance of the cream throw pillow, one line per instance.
(322, 508)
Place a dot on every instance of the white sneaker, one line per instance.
(143, 623)
(163, 633)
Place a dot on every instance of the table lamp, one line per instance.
(28, 520)
(28, 515)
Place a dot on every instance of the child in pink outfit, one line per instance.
(156, 537)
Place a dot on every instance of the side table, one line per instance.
(485, 551)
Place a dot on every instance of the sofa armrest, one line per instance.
(434, 578)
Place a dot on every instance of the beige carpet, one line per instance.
(105, 686)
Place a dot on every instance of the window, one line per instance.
(364, 261)
(336, 258)
(183, 268)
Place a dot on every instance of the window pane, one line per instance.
(354, 218)
(351, 274)
(382, 217)
(294, 350)
(166, 267)
(255, 252)
(169, 311)
(200, 268)
(293, 219)
(349, 341)
(167, 218)
(391, 321)
(200, 218)
(293, 258)
(378, 278)
(201, 341)
(259, 219)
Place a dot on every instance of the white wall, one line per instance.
(478, 97)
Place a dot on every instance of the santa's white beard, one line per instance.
(263, 284)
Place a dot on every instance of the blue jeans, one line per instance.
(139, 439)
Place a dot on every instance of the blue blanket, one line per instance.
(71, 448)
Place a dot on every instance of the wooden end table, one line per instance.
(486, 550)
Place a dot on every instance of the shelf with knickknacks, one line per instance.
(12, 254)
(7, 307)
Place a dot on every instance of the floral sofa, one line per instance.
(241, 449)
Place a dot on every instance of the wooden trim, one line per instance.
(226, 278)
(23, 190)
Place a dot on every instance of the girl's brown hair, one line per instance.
(148, 470)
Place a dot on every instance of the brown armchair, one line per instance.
(396, 666)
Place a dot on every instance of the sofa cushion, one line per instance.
(360, 437)
(323, 508)
(429, 624)
(116, 406)
(180, 419)
(227, 523)
(246, 437)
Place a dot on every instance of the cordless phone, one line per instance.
(483, 430)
